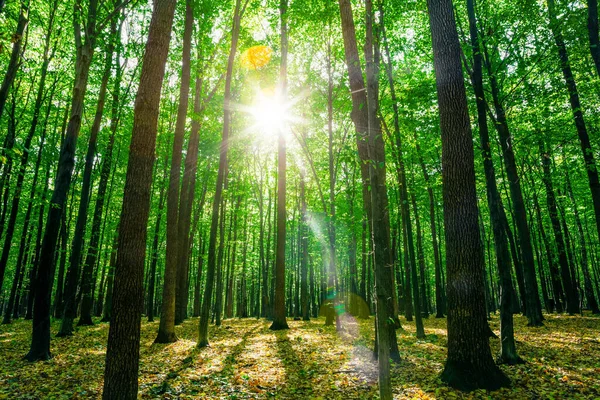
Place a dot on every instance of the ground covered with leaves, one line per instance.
(310, 361)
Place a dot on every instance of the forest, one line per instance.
(299, 199)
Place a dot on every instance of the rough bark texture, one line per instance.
(122, 355)
(469, 364)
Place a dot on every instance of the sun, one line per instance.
(270, 113)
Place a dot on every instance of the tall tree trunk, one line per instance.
(16, 196)
(40, 338)
(73, 272)
(15, 56)
(569, 287)
(557, 290)
(584, 139)
(304, 251)
(508, 352)
(404, 201)
(25, 238)
(154, 256)
(421, 257)
(168, 315)
(533, 308)
(212, 241)
(107, 157)
(469, 364)
(279, 320)
(122, 354)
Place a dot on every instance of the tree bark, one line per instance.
(279, 320)
(122, 355)
(469, 364)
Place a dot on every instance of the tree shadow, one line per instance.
(299, 378)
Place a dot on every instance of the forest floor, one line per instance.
(310, 361)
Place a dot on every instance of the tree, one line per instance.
(214, 222)
(279, 321)
(122, 354)
(469, 364)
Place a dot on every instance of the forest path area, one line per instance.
(310, 361)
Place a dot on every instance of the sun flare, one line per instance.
(270, 114)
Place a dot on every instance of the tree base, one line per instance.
(279, 326)
(6, 321)
(65, 333)
(163, 338)
(512, 359)
(469, 377)
(203, 344)
(440, 316)
(33, 356)
(85, 321)
(535, 324)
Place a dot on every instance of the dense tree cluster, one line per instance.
(296, 159)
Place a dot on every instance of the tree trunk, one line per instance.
(122, 354)
(168, 315)
(533, 307)
(15, 56)
(508, 352)
(469, 364)
(107, 157)
(154, 259)
(211, 265)
(40, 338)
(568, 286)
(584, 139)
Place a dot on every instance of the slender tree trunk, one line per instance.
(304, 251)
(16, 196)
(168, 315)
(154, 259)
(15, 56)
(568, 286)
(24, 242)
(107, 157)
(122, 354)
(73, 272)
(279, 320)
(404, 205)
(584, 139)
(533, 307)
(211, 265)
(40, 339)
(508, 352)
(557, 290)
